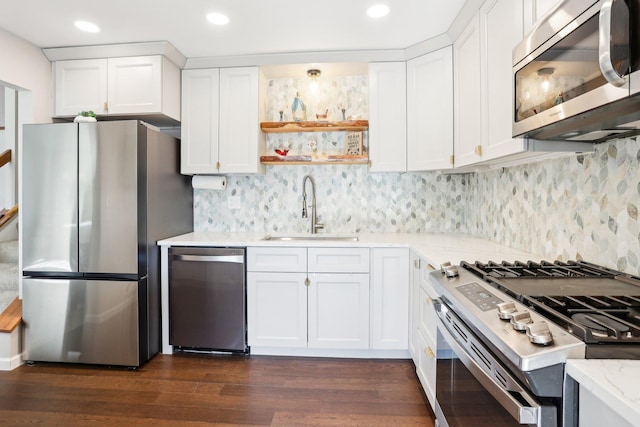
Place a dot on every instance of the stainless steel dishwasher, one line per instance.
(207, 299)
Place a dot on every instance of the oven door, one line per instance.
(474, 389)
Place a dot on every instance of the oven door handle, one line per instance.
(524, 414)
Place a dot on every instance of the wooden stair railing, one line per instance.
(11, 317)
(5, 157)
(7, 214)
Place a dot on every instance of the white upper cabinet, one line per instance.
(199, 131)
(534, 10)
(467, 102)
(388, 117)
(80, 85)
(222, 111)
(500, 29)
(146, 85)
(430, 111)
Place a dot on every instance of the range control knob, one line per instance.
(539, 333)
(449, 270)
(506, 310)
(519, 321)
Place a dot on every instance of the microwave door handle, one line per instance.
(604, 46)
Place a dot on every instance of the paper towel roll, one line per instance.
(209, 182)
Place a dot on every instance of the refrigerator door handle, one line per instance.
(239, 259)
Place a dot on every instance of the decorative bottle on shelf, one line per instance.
(298, 109)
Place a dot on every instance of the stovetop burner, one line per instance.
(594, 303)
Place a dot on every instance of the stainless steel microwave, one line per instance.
(576, 76)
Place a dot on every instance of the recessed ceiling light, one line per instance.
(378, 11)
(89, 27)
(218, 19)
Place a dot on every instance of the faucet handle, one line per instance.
(318, 226)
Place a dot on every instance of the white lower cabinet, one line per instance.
(423, 345)
(338, 311)
(390, 299)
(277, 309)
(319, 306)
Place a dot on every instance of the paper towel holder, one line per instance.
(209, 182)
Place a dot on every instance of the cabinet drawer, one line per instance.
(425, 269)
(285, 260)
(426, 368)
(338, 260)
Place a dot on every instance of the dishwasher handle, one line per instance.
(238, 259)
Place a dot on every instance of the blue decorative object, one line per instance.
(298, 109)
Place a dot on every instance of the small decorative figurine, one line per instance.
(298, 109)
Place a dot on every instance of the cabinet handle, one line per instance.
(416, 263)
(307, 282)
(430, 267)
(429, 353)
(479, 150)
(105, 107)
(428, 300)
(370, 163)
(452, 159)
(218, 165)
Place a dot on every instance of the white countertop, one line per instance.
(614, 382)
(436, 247)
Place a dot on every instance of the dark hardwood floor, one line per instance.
(199, 390)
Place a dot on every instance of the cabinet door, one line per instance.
(430, 111)
(390, 299)
(277, 309)
(240, 134)
(467, 120)
(199, 131)
(338, 311)
(388, 117)
(135, 85)
(536, 9)
(414, 308)
(80, 86)
(501, 30)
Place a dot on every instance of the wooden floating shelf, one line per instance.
(284, 127)
(308, 160)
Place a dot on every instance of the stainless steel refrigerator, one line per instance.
(96, 197)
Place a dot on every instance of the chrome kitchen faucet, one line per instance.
(315, 226)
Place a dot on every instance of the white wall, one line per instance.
(24, 66)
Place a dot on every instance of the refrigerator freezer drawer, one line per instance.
(81, 321)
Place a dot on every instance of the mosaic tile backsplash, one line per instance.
(576, 207)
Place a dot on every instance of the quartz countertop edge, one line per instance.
(614, 382)
(436, 247)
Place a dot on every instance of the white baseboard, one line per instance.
(11, 349)
(8, 364)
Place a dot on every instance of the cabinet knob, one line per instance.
(479, 150)
(428, 300)
(429, 353)
(307, 282)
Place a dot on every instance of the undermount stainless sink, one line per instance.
(321, 237)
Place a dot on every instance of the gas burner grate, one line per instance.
(594, 319)
(520, 269)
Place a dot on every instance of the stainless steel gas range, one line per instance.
(512, 326)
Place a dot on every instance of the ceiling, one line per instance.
(255, 27)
